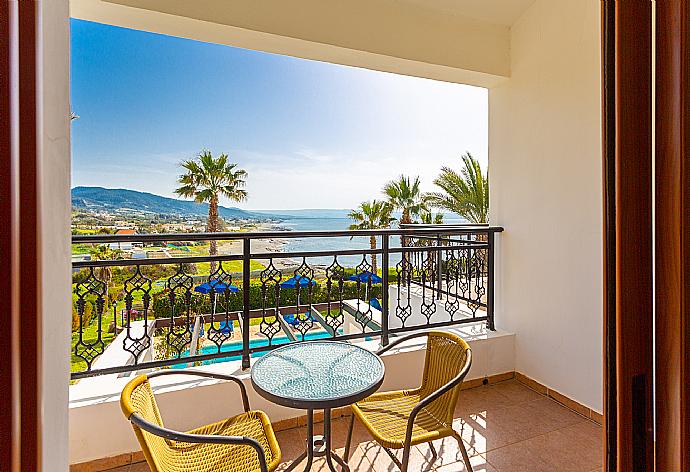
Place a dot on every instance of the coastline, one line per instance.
(272, 245)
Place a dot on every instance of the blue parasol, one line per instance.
(217, 286)
(366, 277)
(300, 280)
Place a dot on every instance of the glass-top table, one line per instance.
(317, 375)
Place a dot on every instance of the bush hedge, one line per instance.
(200, 303)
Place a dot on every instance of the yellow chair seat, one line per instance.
(385, 416)
(226, 458)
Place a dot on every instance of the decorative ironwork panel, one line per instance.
(91, 289)
(477, 290)
(452, 273)
(137, 284)
(364, 314)
(304, 321)
(221, 328)
(403, 308)
(270, 300)
(179, 287)
(428, 272)
(335, 283)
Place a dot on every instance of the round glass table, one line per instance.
(317, 375)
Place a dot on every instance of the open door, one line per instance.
(646, 331)
(19, 376)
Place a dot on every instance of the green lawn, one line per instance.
(90, 335)
(204, 267)
(81, 249)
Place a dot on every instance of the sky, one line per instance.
(309, 134)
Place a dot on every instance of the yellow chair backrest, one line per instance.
(446, 357)
(137, 397)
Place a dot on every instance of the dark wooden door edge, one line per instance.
(9, 245)
(19, 250)
(672, 246)
(28, 220)
(608, 75)
(626, 94)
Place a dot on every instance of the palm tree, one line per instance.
(208, 178)
(372, 215)
(465, 193)
(428, 218)
(404, 195)
(104, 274)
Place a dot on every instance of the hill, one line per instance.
(124, 201)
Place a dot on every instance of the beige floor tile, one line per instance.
(339, 429)
(420, 460)
(292, 443)
(517, 392)
(481, 399)
(492, 429)
(495, 396)
(139, 467)
(575, 448)
(479, 464)
(520, 457)
(447, 450)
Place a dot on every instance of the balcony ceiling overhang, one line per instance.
(457, 41)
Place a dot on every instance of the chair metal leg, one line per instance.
(463, 451)
(395, 460)
(434, 454)
(348, 441)
(406, 458)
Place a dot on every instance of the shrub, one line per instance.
(199, 303)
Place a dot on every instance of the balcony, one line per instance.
(166, 314)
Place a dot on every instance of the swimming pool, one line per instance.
(237, 346)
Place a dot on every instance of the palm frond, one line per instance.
(465, 193)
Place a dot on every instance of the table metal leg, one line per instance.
(330, 455)
(309, 453)
(324, 446)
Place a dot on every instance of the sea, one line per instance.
(319, 223)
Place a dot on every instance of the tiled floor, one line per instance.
(506, 427)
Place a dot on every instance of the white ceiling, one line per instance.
(501, 12)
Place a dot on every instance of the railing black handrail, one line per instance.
(273, 255)
(413, 230)
(444, 225)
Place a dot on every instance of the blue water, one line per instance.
(237, 346)
(339, 243)
(325, 244)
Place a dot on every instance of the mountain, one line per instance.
(123, 201)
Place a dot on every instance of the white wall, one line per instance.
(55, 211)
(546, 190)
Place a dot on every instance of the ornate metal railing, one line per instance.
(134, 313)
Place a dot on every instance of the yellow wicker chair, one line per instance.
(405, 418)
(243, 443)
